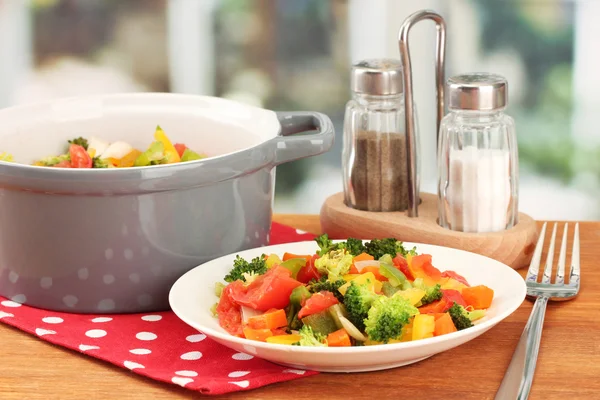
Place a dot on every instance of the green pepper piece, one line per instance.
(294, 265)
(299, 295)
(395, 277)
(190, 155)
(154, 155)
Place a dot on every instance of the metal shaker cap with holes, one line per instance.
(377, 77)
(477, 92)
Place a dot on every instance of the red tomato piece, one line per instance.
(455, 276)
(270, 290)
(180, 148)
(317, 303)
(353, 270)
(401, 263)
(452, 296)
(63, 164)
(230, 316)
(279, 331)
(309, 271)
(437, 307)
(79, 157)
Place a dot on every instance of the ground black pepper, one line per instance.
(379, 173)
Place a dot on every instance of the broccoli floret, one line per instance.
(80, 141)
(334, 264)
(460, 317)
(432, 293)
(387, 316)
(315, 286)
(241, 267)
(326, 245)
(98, 163)
(355, 246)
(379, 247)
(308, 337)
(358, 300)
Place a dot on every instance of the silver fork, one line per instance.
(517, 381)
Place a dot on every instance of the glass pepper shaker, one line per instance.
(374, 155)
(477, 157)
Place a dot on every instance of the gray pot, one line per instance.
(115, 240)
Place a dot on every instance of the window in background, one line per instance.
(296, 54)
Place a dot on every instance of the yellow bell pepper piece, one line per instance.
(272, 260)
(283, 339)
(367, 278)
(413, 295)
(407, 332)
(127, 161)
(170, 151)
(349, 277)
(450, 283)
(423, 326)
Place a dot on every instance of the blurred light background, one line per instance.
(296, 54)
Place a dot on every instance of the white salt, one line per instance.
(478, 193)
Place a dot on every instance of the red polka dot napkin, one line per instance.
(159, 345)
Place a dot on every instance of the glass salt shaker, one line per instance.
(374, 155)
(477, 157)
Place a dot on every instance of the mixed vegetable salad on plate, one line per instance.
(349, 293)
(97, 153)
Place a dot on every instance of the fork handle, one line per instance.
(519, 375)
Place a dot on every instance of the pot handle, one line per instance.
(290, 147)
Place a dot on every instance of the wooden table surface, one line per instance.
(568, 365)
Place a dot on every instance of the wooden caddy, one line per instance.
(513, 247)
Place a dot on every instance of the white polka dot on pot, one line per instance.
(134, 277)
(53, 320)
(13, 277)
(128, 254)
(96, 333)
(146, 336)
(196, 338)
(109, 253)
(46, 282)
(191, 356)
(19, 298)
(108, 279)
(189, 374)
(70, 300)
(140, 352)
(106, 305)
(151, 318)
(83, 273)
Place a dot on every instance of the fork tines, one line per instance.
(574, 270)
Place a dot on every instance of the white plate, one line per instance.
(192, 296)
